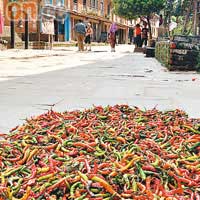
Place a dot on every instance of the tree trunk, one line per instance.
(149, 25)
(187, 16)
(195, 18)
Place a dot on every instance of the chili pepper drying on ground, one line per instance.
(101, 153)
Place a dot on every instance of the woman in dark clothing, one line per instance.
(112, 36)
(88, 35)
(144, 35)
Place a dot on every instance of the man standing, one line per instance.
(80, 31)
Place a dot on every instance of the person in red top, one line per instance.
(138, 32)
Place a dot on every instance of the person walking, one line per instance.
(138, 32)
(144, 35)
(112, 36)
(80, 31)
(88, 36)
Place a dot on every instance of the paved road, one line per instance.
(32, 81)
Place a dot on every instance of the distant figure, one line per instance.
(138, 35)
(80, 30)
(89, 33)
(144, 35)
(112, 36)
(131, 34)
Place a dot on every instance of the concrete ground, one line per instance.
(33, 81)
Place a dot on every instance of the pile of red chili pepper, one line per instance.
(102, 153)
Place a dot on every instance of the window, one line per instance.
(84, 2)
(109, 10)
(93, 3)
(75, 5)
(48, 1)
(60, 2)
(102, 7)
(96, 4)
(198, 7)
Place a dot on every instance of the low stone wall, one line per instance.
(181, 53)
(32, 45)
(3, 46)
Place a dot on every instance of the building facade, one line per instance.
(66, 14)
(1, 6)
(99, 14)
(1, 15)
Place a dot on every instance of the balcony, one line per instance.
(92, 11)
(88, 10)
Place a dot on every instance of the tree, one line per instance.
(132, 9)
(184, 13)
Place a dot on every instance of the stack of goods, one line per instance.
(179, 54)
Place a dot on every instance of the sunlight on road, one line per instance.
(16, 63)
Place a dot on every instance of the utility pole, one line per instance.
(26, 35)
(38, 21)
(12, 29)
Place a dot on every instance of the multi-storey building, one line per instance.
(1, 17)
(66, 13)
(1, 6)
(99, 14)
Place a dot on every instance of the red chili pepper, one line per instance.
(84, 145)
(149, 168)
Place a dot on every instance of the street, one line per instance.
(33, 81)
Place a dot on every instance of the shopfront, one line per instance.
(122, 34)
(61, 22)
(94, 23)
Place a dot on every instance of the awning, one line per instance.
(76, 16)
(120, 26)
(107, 23)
